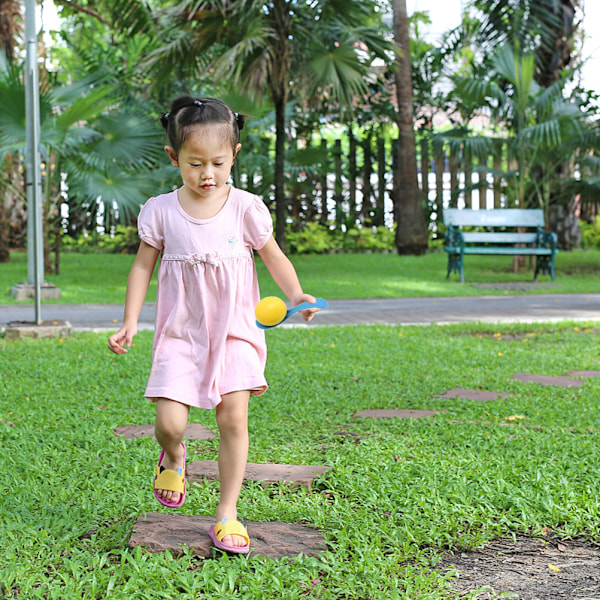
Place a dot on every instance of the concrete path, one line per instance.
(391, 311)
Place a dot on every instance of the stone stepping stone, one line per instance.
(194, 431)
(266, 474)
(548, 380)
(18, 330)
(479, 395)
(584, 374)
(396, 413)
(159, 532)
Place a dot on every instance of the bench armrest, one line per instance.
(546, 239)
(454, 237)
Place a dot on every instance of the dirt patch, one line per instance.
(527, 569)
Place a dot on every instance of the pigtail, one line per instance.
(240, 120)
(164, 120)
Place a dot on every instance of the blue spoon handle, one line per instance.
(320, 303)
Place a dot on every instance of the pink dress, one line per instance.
(206, 341)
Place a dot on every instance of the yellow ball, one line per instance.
(270, 311)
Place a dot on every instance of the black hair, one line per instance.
(187, 111)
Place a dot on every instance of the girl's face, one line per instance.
(205, 161)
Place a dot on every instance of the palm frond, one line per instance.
(461, 141)
(545, 135)
(480, 92)
(128, 140)
(339, 71)
(128, 190)
(590, 163)
(249, 60)
(84, 108)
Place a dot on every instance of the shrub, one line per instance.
(312, 238)
(368, 239)
(590, 233)
(124, 240)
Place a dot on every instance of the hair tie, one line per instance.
(197, 102)
(166, 115)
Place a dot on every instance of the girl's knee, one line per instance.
(232, 421)
(171, 418)
(232, 415)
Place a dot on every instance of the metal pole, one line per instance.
(35, 234)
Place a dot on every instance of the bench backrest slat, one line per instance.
(500, 237)
(503, 217)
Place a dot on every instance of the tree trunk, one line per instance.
(5, 173)
(556, 57)
(4, 246)
(9, 17)
(280, 202)
(411, 230)
(281, 21)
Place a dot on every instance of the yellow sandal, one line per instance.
(172, 481)
(229, 527)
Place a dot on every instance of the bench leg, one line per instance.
(455, 265)
(545, 265)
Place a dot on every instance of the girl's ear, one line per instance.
(236, 150)
(172, 155)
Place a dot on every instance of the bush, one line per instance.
(590, 233)
(124, 240)
(315, 238)
(368, 239)
(311, 238)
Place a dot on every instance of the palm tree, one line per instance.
(544, 31)
(10, 12)
(411, 228)
(544, 28)
(279, 50)
(105, 157)
(9, 16)
(542, 129)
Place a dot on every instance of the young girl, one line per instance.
(208, 351)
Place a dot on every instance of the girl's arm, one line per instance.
(137, 288)
(283, 273)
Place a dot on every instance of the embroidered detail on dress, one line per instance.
(210, 258)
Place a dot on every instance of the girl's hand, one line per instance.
(307, 313)
(123, 337)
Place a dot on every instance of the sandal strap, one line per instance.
(169, 480)
(231, 527)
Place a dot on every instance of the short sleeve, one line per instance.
(150, 224)
(258, 224)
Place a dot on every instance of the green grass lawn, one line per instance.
(399, 493)
(97, 278)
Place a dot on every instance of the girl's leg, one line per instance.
(171, 422)
(232, 420)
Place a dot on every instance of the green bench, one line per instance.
(498, 232)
